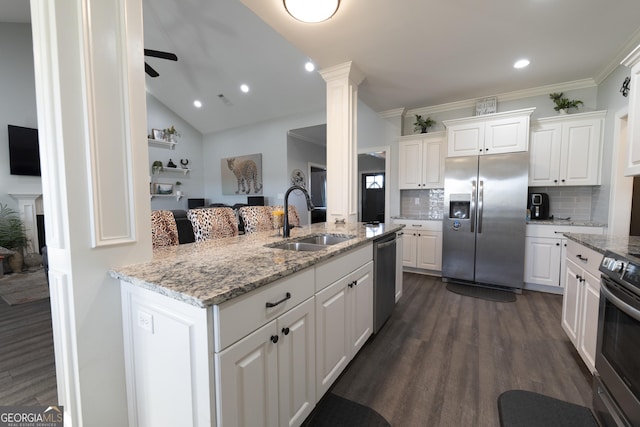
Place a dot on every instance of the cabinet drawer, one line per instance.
(584, 257)
(240, 316)
(335, 268)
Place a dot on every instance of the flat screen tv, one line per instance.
(24, 153)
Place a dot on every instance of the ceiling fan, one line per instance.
(157, 54)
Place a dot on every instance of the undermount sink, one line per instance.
(311, 243)
(325, 239)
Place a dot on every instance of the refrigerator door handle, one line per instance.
(480, 203)
(472, 215)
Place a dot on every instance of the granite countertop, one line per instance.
(621, 245)
(212, 272)
(566, 222)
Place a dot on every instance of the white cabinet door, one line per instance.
(571, 302)
(399, 263)
(542, 261)
(421, 162)
(360, 297)
(410, 164)
(332, 338)
(580, 156)
(544, 155)
(409, 248)
(433, 164)
(247, 374)
(296, 363)
(465, 139)
(507, 135)
(429, 250)
(567, 150)
(589, 318)
(633, 127)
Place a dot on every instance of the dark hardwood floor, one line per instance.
(27, 369)
(443, 359)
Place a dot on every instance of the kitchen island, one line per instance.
(628, 246)
(237, 332)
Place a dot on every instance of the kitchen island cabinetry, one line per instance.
(227, 349)
(545, 249)
(421, 246)
(567, 150)
(421, 161)
(344, 323)
(497, 133)
(581, 300)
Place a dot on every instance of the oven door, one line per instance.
(618, 350)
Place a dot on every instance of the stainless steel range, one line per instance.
(617, 384)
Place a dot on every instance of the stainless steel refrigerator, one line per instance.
(485, 218)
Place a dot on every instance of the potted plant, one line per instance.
(156, 167)
(171, 134)
(423, 124)
(12, 236)
(564, 104)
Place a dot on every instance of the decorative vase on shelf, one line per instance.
(424, 130)
(562, 111)
(173, 138)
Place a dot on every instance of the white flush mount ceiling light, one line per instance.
(309, 66)
(244, 88)
(197, 104)
(311, 10)
(521, 63)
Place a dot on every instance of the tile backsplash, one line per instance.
(430, 203)
(568, 202)
(565, 202)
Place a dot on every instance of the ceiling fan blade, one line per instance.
(160, 54)
(150, 71)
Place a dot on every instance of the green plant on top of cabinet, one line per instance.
(567, 150)
(421, 161)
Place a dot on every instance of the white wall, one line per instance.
(610, 99)
(17, 104)
(299, 155)
(376, 132)
(189, 147)
(267, 138)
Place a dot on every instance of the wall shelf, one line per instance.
(172, 170)
(167, 195)
(161, 144)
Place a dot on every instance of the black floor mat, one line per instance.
(520, 408)
(336, 411)
(481, 292)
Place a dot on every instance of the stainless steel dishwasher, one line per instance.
(384, 279)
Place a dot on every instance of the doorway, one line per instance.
(318, 192)
(372, 203)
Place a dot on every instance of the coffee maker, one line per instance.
(539, 206)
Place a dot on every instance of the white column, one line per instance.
(28, 210)
(90, 94)
(342, 140)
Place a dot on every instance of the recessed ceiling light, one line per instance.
(309, 66)
(521, 63)
(197, 104)
(244, 88)
(311, 10)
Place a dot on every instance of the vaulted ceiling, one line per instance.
(414, 53)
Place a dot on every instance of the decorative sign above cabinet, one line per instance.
(486, 106)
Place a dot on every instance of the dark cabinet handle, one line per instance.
(563, 180)
(581, 258)
(557, 244)
(579, 278)
(273, 304)
(285, 331)
(555, 180)
(351, 284)
(274, 339)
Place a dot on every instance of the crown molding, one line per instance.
(390, 114)
(620, 57)
(507, 96)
